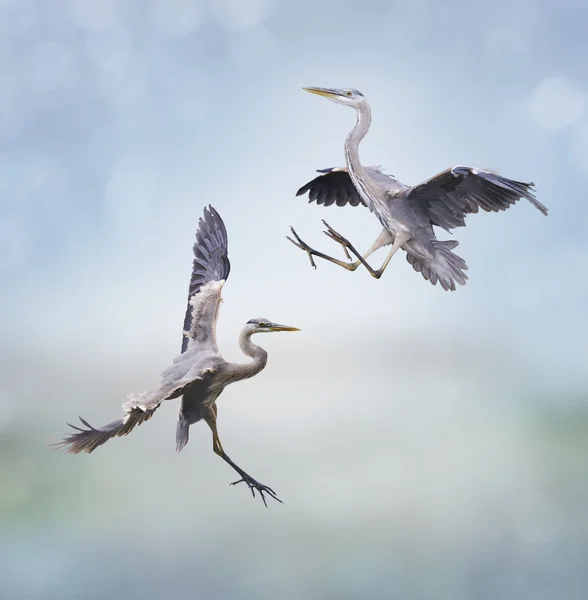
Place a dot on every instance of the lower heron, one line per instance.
(199, 374)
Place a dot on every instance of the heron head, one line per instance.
(346, 96)
(261, 325)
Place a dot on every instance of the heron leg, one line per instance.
(384, 238)
(399, 241)
(253, 484)
(312, 252)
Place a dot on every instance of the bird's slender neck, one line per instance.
(259, 356)
(364, 118)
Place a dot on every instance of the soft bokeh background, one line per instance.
(427, 445)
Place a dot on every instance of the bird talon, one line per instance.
(331, 230)
(295, 243)
(254, 486)
(303, 246)
(296, 236)
(337, 237)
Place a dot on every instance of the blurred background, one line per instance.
(427, 445)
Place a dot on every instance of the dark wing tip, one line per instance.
(308, 186)
(87, 440)
(332, 186)
(211, 258)
(213, 220)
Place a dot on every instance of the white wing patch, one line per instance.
(205, 314)
(145, 400)
(150, 400)
(134, 400)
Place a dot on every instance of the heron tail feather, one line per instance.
(446, 267)
(182, 432)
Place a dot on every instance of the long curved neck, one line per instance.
(364, 118)
(259, 356)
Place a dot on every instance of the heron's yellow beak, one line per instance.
(283, 328)
(326, 92)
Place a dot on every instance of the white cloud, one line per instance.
(557, 103)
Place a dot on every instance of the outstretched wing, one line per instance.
(334, 186)
(183, 376)
(210, 269)
(89, 438)
(456, 192)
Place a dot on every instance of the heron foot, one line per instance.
(303, 246)
(254, 486)
(337, 237)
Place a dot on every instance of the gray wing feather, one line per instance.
(448, 197)
(334, 186)
(211, 260)
(139, 407)
(89, 438)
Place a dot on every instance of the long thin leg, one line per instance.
(399, 240)
(312, 252)
(383, 239)
(253, 484)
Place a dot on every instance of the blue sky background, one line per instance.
(427, 444)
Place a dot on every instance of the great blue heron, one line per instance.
(406, 213)
(199, 374)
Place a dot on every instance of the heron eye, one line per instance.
(349, 93)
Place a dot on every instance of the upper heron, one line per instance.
(199, 374)
(407, 214)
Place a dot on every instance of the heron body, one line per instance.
(199, 374)
(407, 214)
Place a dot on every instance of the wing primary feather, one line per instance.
(87, 440)
(454, 193)
(211, 261)
(333, 187)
